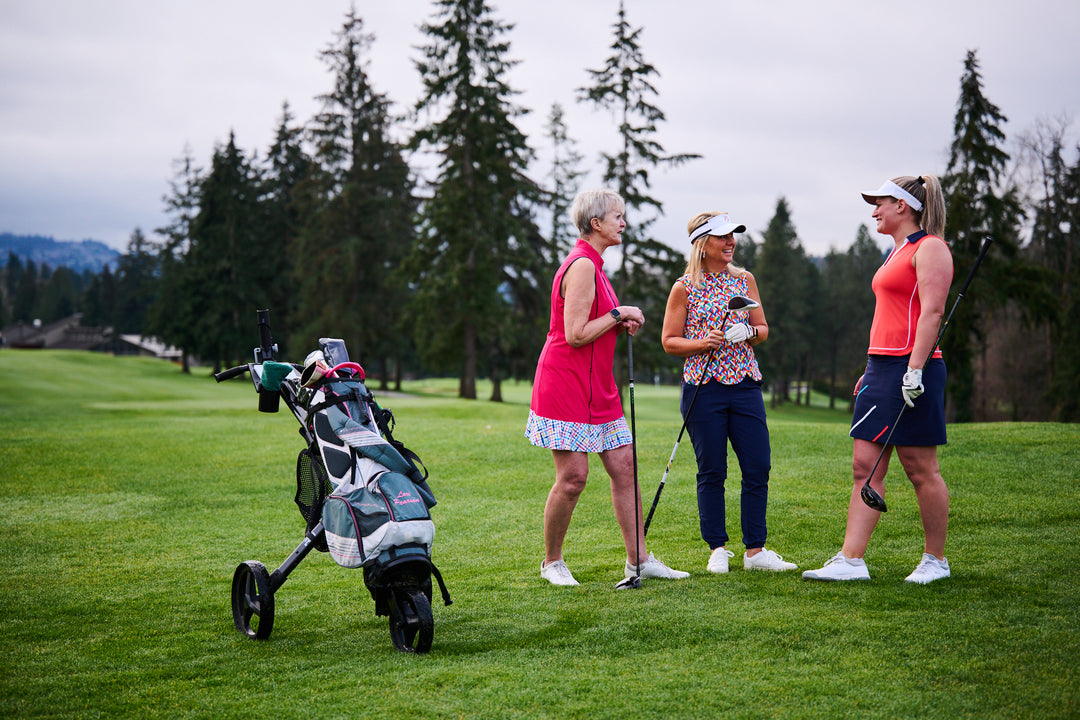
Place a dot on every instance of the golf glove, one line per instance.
(739, 333)
(911, 386)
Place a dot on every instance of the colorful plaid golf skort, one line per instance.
(577, 437)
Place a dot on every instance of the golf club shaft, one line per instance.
(963, 289)
(633, 444)
(663, 480)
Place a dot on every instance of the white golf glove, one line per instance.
(911, 386)
(739, 333)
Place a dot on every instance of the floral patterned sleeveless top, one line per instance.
(705, 307)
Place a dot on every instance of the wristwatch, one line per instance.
(615, 314)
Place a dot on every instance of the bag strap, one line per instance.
(336, 399)
(442, 585)
(384, 418)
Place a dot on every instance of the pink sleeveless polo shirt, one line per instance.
(577, 384)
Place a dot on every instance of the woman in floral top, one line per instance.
(728, 406)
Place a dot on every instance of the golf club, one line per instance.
(870, 496)
(634, 581)
(735, 304)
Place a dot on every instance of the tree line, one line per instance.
(424, 249)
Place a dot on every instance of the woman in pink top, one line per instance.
(910, 290)
(575, 406)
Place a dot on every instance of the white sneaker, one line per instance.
(718, 561)
(557, 573)
(840, 567)
(653, 568)
(767, 560)
(929, 570)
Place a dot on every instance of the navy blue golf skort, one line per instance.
(880, 400)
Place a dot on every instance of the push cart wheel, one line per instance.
(252, 600)
(411, 623)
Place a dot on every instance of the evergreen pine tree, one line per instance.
(24, 305)
(58, 297)
(845, 311)
(1054, 247)
(136, 285)
(979, 201)
(286, 166)
(646, 267)
(478, 263)
(12, 274)
(172, 317)
(228, 280)
(564, 177)
(99, 299)
(784, 283)
(357, 210)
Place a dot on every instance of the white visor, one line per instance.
(718, 225)
(891, 189)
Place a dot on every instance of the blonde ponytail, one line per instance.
(926, 190)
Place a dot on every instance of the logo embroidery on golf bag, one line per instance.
(405, 498)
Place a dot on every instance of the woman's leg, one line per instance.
(708, 429)
(921, 466)
(626, 499)
(861, 519)
(571, 472)
(749, 435)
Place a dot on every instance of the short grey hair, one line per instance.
(591, 204)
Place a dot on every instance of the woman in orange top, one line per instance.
(910, 290)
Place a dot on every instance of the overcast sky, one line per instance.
(812, 101)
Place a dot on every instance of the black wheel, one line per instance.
(252, 599)
(411, 623)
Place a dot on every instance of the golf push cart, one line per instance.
(361, 493)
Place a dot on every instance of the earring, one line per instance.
(702, 254)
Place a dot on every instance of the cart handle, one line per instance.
(355, 367)
(231, 373)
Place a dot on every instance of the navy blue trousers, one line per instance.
(735, 414)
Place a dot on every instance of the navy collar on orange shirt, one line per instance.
(917, 236)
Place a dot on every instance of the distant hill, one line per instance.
(79, 256)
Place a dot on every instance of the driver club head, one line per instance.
(741, 302)
(873, 499)
(631, 583)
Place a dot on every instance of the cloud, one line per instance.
(807, 101)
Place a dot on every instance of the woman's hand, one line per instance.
(712, 341)
(631, 318)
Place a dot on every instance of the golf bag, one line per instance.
(362, 494)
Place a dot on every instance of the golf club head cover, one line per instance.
(911, 386)
(273, 373)
(739, 332)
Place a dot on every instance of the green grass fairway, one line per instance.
(131, 492)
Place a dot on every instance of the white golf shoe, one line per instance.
(928, 570)
(767, 560)
(653, 568)
(557, 573)
(840, 567)
(718, 561)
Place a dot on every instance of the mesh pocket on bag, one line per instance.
(312, 487)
